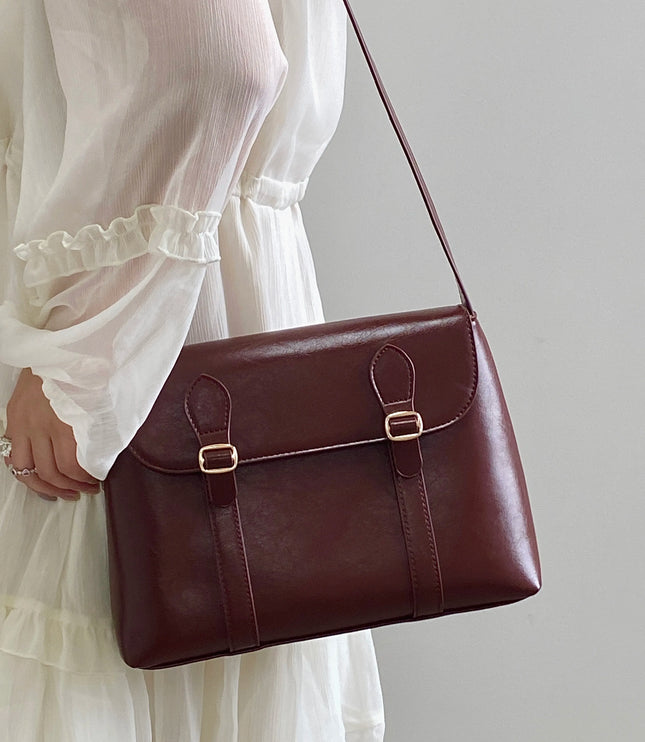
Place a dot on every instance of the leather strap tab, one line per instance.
(208, 408)
(235, 581)
(392, 375)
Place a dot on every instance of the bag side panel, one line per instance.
(479, 500)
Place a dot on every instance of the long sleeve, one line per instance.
(163, 101)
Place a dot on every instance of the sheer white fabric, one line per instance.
(152, 159)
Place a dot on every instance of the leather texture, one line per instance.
(321, 395)
(277, 491)
(324, 534)
(208, 408)
(393, 378)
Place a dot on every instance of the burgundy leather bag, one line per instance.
(319, 480)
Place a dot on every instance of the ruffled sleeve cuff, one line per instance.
(166, 229)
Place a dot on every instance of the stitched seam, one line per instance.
(247, 585)
(430, 533)
(268, 457)
(187, 406)
(408, 539)
(475, 371)
(407, 368)
(218, 564)
(227, 408)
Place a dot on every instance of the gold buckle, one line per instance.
(406, 436)
(217, 447)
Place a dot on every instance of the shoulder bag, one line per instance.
(319, 480)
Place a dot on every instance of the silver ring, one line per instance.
(5, 446)
(21, 472)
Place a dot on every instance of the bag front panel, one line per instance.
(323, 536)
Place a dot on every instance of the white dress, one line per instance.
(152, 157)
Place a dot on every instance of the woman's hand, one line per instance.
(39, 440)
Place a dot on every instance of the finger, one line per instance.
(21, 455)
(34, 483)
(67, 464)
(21, 458)
(21, 449)
(47, 471)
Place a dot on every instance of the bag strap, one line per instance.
(425, 193)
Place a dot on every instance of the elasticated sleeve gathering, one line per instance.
(163, 102)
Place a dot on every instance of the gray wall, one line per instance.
(527, 119)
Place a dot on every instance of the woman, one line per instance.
(152, 157)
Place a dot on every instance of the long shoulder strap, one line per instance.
(432, 211)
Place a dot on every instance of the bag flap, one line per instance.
(308, 388)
